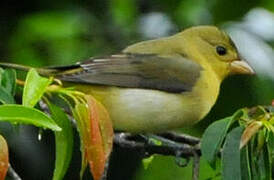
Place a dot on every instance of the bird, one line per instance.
(157, 85)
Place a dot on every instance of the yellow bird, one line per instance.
(161, 84)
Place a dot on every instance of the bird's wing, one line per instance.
(147, 71)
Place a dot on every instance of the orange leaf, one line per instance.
(4, 158)
(100, 136)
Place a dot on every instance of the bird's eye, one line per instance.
(221, 50)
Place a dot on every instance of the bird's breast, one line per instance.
(144, 110)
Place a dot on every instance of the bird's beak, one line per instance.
(241, 67)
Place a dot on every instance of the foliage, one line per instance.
(63, 141)
(93, 122)
(245, 143)
(4, 158)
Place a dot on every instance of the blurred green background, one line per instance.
(40, 33)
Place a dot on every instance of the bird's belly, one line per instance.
(144, 110)
(140, 110)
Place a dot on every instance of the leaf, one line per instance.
(249, 131)
(245, 164)
(80, 113)
(8, 86)
(213, 138)
(257, 112)
(105, 123)
(1, 74)
(96, 134)
(264, 166)
(214, 135)
(9, 80)
(63, 141)
(231, 159)
(26, 115)
(5, 96)
(270, 144)
(147, 161)
(252, 157)
(101, 136)
(34, 88)
(260, 140)
(4, 158)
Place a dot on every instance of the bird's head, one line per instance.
(214, 49)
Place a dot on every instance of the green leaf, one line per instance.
(63, 141)
(1, 74)
(231, 159)
(34, 88)
(80, 113)
(245, 164)
(264, 164)
(147, 161)
(253, 160)
(9, 80)
(214, 136)
(270, 148)
(5, 96)
(270, 144)
(20, 114)
(8, 86)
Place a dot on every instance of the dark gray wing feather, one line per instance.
(147, 71)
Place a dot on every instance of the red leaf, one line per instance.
(100, 135)
(4, 158)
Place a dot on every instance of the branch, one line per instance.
(196, 167)
(185, 146)
(183, 138)
(172, 144)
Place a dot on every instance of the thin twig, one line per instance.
(195, 166)
(12, 173)
(20, 82)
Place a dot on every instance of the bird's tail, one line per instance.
(48, 71)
